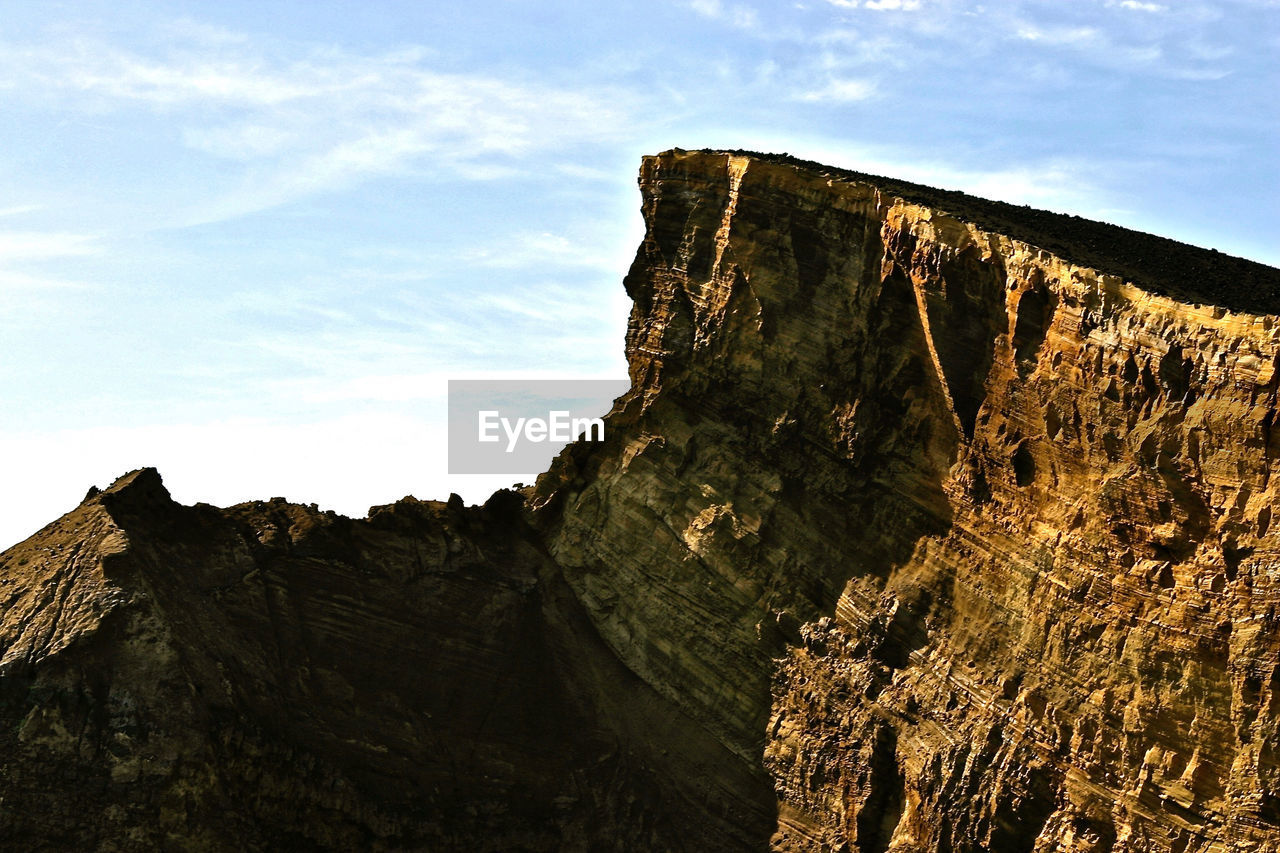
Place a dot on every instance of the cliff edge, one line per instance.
(928, 524)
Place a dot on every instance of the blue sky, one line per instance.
(248, 243)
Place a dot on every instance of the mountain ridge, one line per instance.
(909, 536)
(1164, 265)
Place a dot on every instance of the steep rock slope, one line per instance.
(922, 528)
(1003, 520)
(270, 677)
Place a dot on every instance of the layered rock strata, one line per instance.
(271, 677)
(928, 524)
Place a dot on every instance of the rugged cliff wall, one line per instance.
(923, 528)
(270, 677)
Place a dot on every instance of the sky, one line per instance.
(248, 243)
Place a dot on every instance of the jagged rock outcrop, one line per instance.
(271, 677)
(928, 524)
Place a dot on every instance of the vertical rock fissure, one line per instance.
(882, 810)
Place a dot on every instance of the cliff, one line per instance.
(928, 524)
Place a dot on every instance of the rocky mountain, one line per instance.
(928, 524)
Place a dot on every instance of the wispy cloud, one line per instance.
(1137, 36)
(318, 338)
(13, 281)
(539, 251)
(43, 245)
(839, 91)
(1059, 35)
(28, 296)
(736, 15)
(893, 5)
(325, 119)
(878, 5)
(27, 287)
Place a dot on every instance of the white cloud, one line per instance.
(540, 251)
(1140, 54)
(27, 291)
(114, 74)
(1199, 74)
(1058, 35)
(12, 281)
(840, 91)
(845, 48)
(325, 119)
(248, 141)
(878, 5)
(586, 173)
(43, 245)
(1159, 46)
(738, 16)
(893, 5)
(29, 298)
(1209, 52)
(1142, 7)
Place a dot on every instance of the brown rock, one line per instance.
(929, 524)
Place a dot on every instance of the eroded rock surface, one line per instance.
(927, 525)
(270, 677)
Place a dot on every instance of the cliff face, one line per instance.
(911, 535)
(270, 677)
(972, 543)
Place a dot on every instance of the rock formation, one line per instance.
(928, 524)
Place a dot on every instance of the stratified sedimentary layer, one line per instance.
(272, 677)
(928, 524)
(971, 541)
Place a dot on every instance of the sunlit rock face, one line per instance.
(970, 540)
(928, 524)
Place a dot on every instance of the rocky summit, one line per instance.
(929, 523)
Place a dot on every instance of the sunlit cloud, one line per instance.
(327, 120)
(539, 251)
(878, 5)
(27, 286)
(247, 141)
(839, 91)
(736, 15)
(1059, 35)
(12, 282)
(31, 297)
(43, 245)
(892, 5)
